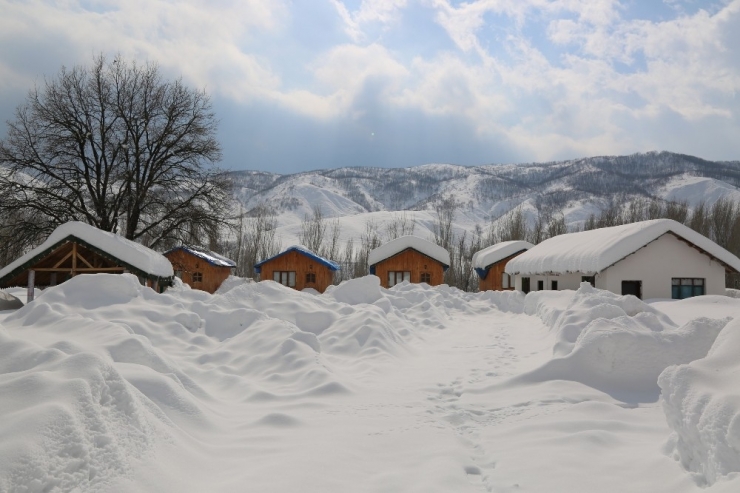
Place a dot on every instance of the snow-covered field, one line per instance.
(107, 386)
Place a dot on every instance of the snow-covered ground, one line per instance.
(108, 386)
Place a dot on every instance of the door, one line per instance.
(632, 287)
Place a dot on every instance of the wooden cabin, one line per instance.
(200, 268)
(411, 259)
(78, 248)
(298, 268)
(490, 263)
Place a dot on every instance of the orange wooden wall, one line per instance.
(493, 281)
(301, 265)
(413, 261)
(188, 263)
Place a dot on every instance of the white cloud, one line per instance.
(370, 11)
(197, 39)
(603, 74)
(341, 76)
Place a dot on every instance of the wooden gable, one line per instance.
(410, 260)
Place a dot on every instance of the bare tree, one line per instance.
(442, 229)
(400, 226)
(116, 146)
(513, 227)
(258, 240)
(313, 230)
(699, 220)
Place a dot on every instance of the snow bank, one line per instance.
(400, 244)
(355, 291)
(231, 282)
(701, 401)
(617, 344)
(593, 251)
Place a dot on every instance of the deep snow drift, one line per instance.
(109, 386)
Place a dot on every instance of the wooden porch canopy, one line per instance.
(77, 248)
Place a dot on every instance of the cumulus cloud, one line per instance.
(552, 78)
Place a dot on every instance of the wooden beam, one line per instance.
(81, 269)
(84, 260)
(63, 260)
(74, 259)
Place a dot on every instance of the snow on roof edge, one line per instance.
(591, 252)
(401, 243)
(299, 248)
(130, 252)
(497, 252)
(212, 258)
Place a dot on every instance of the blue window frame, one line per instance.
(687, 287)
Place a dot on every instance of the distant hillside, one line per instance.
(575, 188)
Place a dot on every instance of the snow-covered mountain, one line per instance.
(575, 188)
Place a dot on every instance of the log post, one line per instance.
(31, 285)
(74, 259)
(53, 280)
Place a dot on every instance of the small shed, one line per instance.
(409, 258)
(490, 262)
(299, 268)
(200, 268)
(660, 258)
(78, 248)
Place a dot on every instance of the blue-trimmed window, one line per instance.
(687, 287)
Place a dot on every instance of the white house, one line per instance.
(650, 259)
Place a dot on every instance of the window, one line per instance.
(426, 277)
(632, 287)
(540, 285)
(589, 279)
(310, 278)
(286, 278)
(525, 284)
(505, 280)
(197, 277)
(686, 287)
(395, 277)
(178, 274)
(554, 285)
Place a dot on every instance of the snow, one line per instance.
(108, 386)
(128, 251)
(702, 405)
(400, 244)
(492, 254)
(302, 249)
(209, 256)
(590, 252)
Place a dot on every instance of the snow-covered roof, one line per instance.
(127, 251)
(212, 258)
(494, 253)
(402, 243)
(303, 250)
(591, 252)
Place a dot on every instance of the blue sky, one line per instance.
(309, 84)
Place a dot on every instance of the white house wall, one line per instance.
(565, 281)
(655, 265)
(660, 261)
